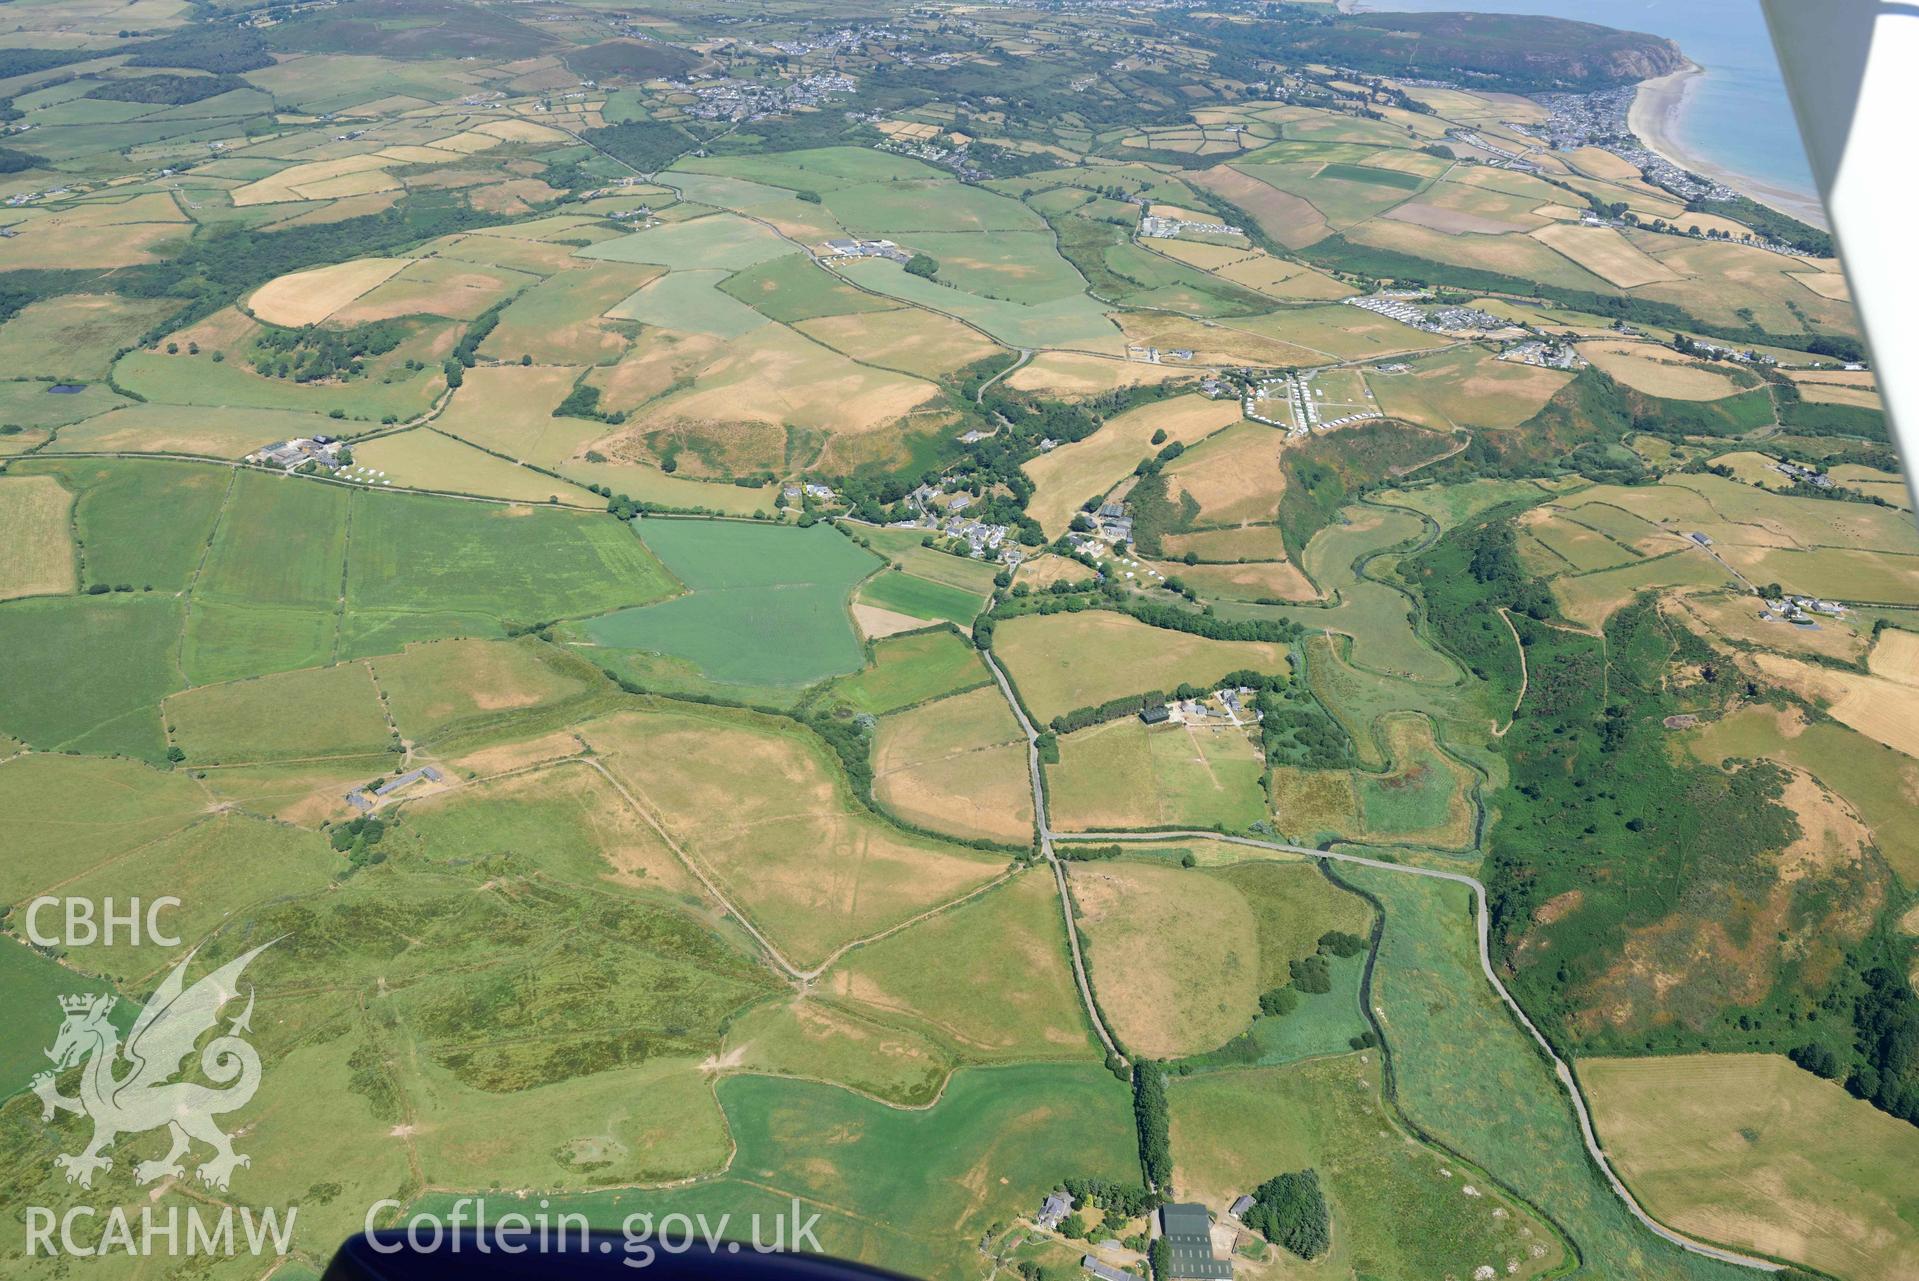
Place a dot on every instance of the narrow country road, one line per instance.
(1481, 914)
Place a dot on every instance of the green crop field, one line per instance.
(517, 564)
(727, 891)
(921, 598)
(1469, 1076)
(87, 673)
(1398, 1207)
(763, 605)
(912, 669)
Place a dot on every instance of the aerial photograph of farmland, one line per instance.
(1016, 640)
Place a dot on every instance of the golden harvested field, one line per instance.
(1046, 569)
(768, 815)
(313, 179)
(1234, 476)
(875, 623)
(1234, 543)
(1883, 709)
(1590, 599)
(1256, 580)
(1066, 661)
(1749, 1150)
(39, 560)
(56, 241)
(434, 287)
(907, 339)
(1174, 955)
(1287, 218)
(1126, 774)
(425, 459)
(1073, 375)
(1071, 474)
(1874, 483)
(742, 406)
(1469, 387)
(309, 297)
(561, 320)
(1827, 284)
(1660, 371)
(956, 765)
(1844, 573)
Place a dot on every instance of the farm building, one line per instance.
(1158, 714)
(1104, 1271)
(1055, 1208)
(1239, 1207)
(1188, 1230)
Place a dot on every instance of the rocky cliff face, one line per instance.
(1502, 51)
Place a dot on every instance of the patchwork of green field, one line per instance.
(558, 321)
(183, 429)
(958, 766)
(907, 339)
(915, 1187)
(1753, 1151)
(1077, 322)
(920, 598)
(1554, 542)
(87, 673)
(903, 547)
(1466, 1074)
(1124, 774)
(322, 711)
(1398, 1206)
(990, 980)
(389, 388)
(33, 985)
(516, 564)
(77, 335)
(766, 809)
(1451, 506)
(817, 1038)
(72, 814)
(36, 409)
(792, 288)
(765, 604)
(509, 410)
(718, 240)
(1061, 662)
(912, 669)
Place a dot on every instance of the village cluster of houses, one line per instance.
(939, 512)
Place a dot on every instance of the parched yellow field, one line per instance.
(309, 297)
(1880, 707)
(1659, 371)
(1067, 661)
(1749, 1150)
(908, 339)
(1071, 474)
(1469, 387)
(956, 765)
(1073, 375)
(760, 808)
(1174, 955)
(1739, 618)
(434, 287)
(39, 558)
(1606, 253)
(1234, 476)
(1287, 218)
(432, 686)
(425, 459)
(1255, 580)
(1827, 284)
(509, 408)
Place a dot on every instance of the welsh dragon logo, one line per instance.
(144, 1097)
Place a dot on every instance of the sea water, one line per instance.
(1737, 116)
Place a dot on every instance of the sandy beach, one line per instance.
(1657, 111)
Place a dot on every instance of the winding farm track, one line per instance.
(1483, 919)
